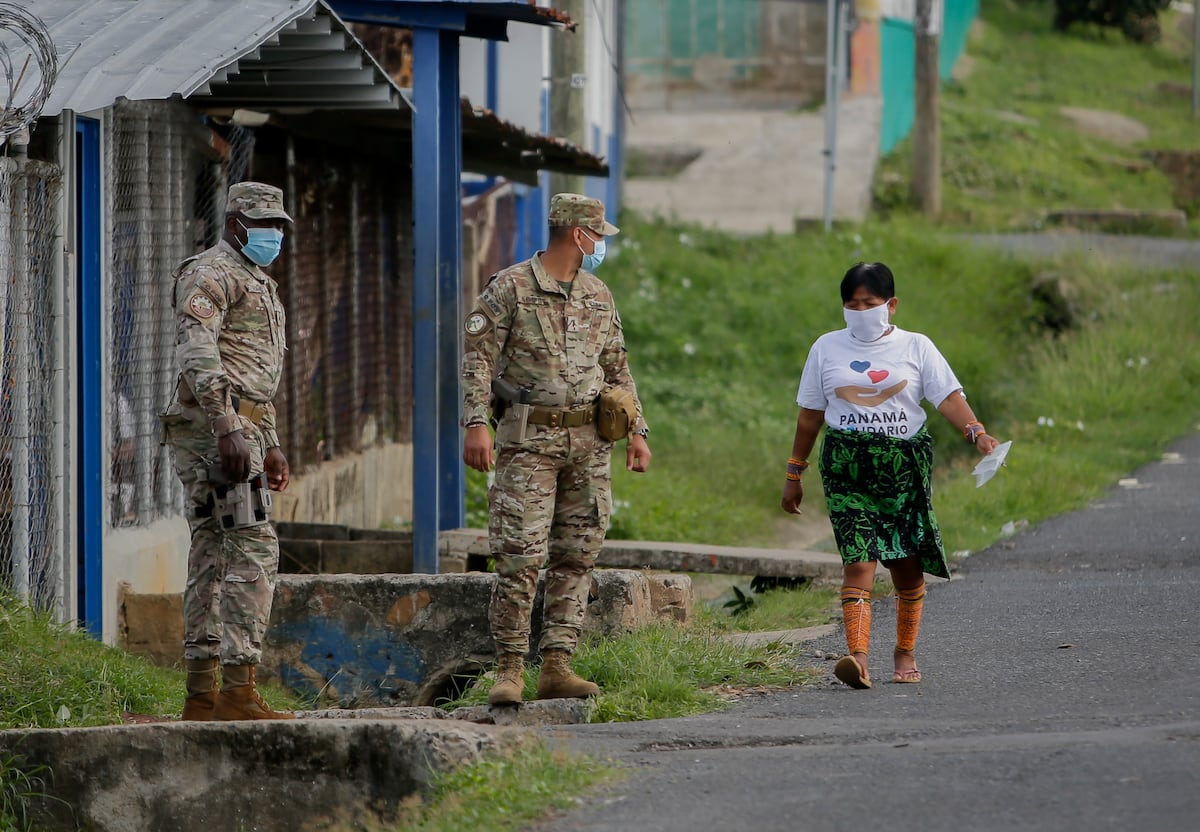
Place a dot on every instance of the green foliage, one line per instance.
(509, 791)
(56, 676)
(1137, 20)
(775, 609)
(740, 604)
(476, 502)
(19, 782)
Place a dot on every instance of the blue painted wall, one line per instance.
(897, 49)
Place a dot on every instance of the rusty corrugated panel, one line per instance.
(352, 303)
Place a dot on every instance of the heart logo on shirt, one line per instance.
(877, 376)
(859, 366)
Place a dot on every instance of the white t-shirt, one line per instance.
(877, 386)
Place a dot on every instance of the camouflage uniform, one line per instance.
(552, 491)
(230, 343)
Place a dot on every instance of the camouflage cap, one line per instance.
(256, 200)
(577, 209)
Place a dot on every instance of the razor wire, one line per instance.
(35, 67)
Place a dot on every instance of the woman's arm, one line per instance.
(959, 413)
(808, 425)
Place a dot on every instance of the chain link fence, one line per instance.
(31, 373)
(166, 178)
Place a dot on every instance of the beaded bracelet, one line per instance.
(972, 431)
(795, 468)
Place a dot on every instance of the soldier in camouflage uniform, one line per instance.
(230, 346)
(549, 327)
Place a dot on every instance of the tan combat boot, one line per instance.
(201, 690)
(510, 680)
(558, 681)
(239, 698)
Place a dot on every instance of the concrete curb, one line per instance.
(270, 776)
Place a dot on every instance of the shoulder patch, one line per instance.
(201, 306)
(476, 323)
(489, 304)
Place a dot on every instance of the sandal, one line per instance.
(906, 677)
(851, 673)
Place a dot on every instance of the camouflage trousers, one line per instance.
(231, 573)
(549, 506)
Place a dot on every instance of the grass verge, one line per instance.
(664, 670)
(57, 676)
(510, 791)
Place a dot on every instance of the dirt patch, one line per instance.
(1103, 124)
(1182, 167)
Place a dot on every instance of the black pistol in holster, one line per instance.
(237, 505)
(505, 394)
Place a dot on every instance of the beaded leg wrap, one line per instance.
(856, 615)
(910, 603)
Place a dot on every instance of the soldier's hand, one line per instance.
(235, 456)
(477, 448)
(637, 454)
(793, 494)
(276, 466)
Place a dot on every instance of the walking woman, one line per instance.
(865, 384)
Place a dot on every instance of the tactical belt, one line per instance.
(251, 410)
(556, 418)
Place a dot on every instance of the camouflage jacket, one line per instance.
(564, 350)
(229, 335)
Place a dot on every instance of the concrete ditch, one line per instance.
(357, 641)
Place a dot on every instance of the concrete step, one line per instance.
(820, 567)
(271, 776)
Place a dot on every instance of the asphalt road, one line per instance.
(1061, 692)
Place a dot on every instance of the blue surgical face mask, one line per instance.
(592, 261)
(262, 244)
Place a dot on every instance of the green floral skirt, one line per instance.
(878, 492)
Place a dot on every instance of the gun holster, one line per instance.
(505, 394)
(239, 505)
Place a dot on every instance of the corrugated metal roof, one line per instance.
(283, 55)
(478, 18)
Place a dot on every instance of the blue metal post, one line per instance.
(90, 545)
(437, 154)
(493, 76)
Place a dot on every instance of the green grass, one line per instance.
(57, 676)
(777, 609)
(664, 670)
(509, 792)
(1009, 154)
(19, 783)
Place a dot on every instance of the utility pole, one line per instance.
(568, 78)
(927, 131)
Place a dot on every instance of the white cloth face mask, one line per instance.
(868, 325)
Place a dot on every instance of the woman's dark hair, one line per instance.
(876, 277)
